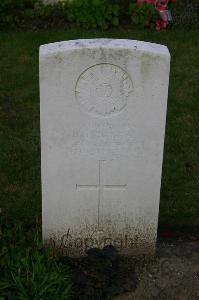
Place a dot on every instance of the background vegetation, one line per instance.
(28, 271)
(20, 187)
(103, 14)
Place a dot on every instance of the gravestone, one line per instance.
(103, 113)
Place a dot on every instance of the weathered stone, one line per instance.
(103, 112)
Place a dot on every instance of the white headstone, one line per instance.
(103, 112)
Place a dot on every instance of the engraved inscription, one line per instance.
(103, 90)
(100, 188)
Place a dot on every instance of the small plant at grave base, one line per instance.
(151, 13)
(27, 270)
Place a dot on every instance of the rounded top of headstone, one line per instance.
(105, 43)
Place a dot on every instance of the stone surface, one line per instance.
(103, 113)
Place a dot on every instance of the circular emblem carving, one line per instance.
(102, 90)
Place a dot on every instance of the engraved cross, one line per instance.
(100, 188)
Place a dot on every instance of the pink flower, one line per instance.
(161, 5)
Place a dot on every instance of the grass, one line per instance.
(27, 270)
(20, 189)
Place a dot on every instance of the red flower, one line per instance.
(160, 24)
(161, 5)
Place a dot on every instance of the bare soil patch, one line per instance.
(172, 274)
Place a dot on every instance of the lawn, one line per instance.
(20, 188)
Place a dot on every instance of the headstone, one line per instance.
(103, 113)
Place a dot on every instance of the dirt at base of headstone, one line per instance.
(172, 274)
(102, 274)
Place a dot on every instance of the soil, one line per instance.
(172, 274)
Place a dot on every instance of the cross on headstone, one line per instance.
(102, 99)
(100, 187)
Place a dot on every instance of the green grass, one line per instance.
(28, 271)
(20, 189)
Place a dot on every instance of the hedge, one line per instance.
(103, 14)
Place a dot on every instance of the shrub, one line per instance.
(151, 12)
(12, 10)
(143, 15)
(123, 5)
(33, 14)
(92, 13)
(186, 13)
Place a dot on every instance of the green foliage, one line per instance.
(85, 13)
(123, 8)
(30, 14)
(44, 11)
(33, 14)
(186, 13)
(93, 13)
(27, 270)
(11, 11)
(143, 15)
